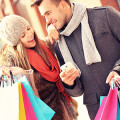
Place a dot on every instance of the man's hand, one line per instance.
(53, 34)
(112, 74)
(69, 76)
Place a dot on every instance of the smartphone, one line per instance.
(66, 67)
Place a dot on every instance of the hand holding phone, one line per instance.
(69, 73)
(67, 67)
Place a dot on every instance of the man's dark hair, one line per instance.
(38, 2)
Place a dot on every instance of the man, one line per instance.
(90, 38)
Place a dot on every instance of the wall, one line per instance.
(94, 3)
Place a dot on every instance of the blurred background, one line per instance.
(23, 8)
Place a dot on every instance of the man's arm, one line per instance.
(75, 90)
(113, 17)
(117, 67)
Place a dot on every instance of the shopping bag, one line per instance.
(26, 111)
(9, 103)
(108, 107)
(22, 114)
(118, 107)
(30, 114)
(42, 110)
(118, 111)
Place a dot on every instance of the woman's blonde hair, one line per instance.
(20, 57)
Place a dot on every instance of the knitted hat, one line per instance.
(11, 28)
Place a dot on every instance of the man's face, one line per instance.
(53, 14)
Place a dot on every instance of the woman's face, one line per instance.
(27, 38)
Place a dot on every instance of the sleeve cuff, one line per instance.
(69, 86)
(117, 71)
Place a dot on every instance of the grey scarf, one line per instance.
(91, 53)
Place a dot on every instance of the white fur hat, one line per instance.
(11, 28)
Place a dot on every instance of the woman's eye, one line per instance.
(23, 36)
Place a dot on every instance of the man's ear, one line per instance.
(63, 3)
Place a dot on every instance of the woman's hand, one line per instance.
(15, 70)
(53, 34)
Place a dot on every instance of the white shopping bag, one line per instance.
(9, 102)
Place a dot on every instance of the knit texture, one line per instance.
(11, 28)
(91, 53)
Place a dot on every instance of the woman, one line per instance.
(25, 50)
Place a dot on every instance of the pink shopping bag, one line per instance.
(30, 114)
(108, 108)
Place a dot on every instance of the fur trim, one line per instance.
(49, 93)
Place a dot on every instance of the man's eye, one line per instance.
(48, 13)
(28, 28)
